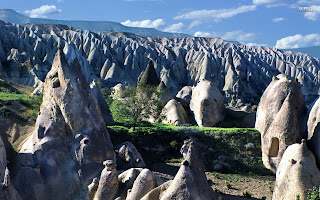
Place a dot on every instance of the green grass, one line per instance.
(12, 96)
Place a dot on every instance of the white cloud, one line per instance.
(291, 3)
(202, 34)
(298, 41)
(43, 11)
(175, 28)
(195, 23)
(145, 23)
(216, 15)
(279, 19)
(315, 15)
(238, 35)
(252, 44)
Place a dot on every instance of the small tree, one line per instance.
(138, 103)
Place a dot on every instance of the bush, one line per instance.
(313, 194)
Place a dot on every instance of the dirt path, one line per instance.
(230, 186)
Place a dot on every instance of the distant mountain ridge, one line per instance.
(13, 16)
(311, 51)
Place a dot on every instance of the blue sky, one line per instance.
(257, 22)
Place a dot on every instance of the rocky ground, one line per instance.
(230, 186)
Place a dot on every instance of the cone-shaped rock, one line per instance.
(149, 76)
(129, 157)
(278, 119)
(207, 104)
(190, 181)
(184, 95)
(314, 130)
(166, 94)
(70, 140)
(296, 173)
(174, 113)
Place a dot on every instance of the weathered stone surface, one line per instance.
(296, 173)
(144, 183)
(184, 95)
(126, 180)
(279, 115)
(174, 113)
(190, 181)
(166, 94)
(149, 76)
(129, 157)
(70, 140)
(109, 183)
(105, 111)
(92, 188)
(157, 192)
(207, 104)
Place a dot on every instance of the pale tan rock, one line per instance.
(129, 157)
(109, 183)
(166, 94)
(184, 95)
(92, 188)
(174, 113)
(157, 192)
(280, 112)
(296, 173)
(190, 182)
(207, 104)
(314, 129)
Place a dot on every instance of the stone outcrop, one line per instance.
(70, 140)
(184, 95)
(149, 76)
(190, 182)
(174, 113)
(242, 72)
(207, 104)
(314, 130)
(108, 184)
(296, 173)
(129, 157)
(166, 94)
(279, 117)
(105, 111)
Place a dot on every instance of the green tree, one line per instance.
(138, 103)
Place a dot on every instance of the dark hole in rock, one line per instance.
(55, 83)
(274, 147)
(86, 141)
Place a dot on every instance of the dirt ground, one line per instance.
(229, 186)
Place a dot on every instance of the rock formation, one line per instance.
(184, 95)
(70, 140)
(296, 173)
(279, 115)
(7, 190)
(242, 72)
(149, 76)
(190, 182)
(207, 104)
(108, 184)
(129, 157)
(174, 113)
(166, 94)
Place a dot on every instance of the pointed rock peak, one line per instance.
(149, 76)
(192, 156)
(76, 65)
(162, 86)
(60, 59)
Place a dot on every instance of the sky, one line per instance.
(273, 23)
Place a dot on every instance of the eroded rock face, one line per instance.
(207, 104)
(175, 113)
(296, 173)
(190, 181)
(314, 130)
(184, 95)
(109, 183)
(279, 115)
(149, 76)
(129, 157)
(70, 140)
(166, 94)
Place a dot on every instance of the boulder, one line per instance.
(92, 188)
(149, 76)
(314, 130)
(296, 173)
(108, 184)
(144, 183)
(184, 95)
(174, 113)
(157, 192)
(70, 140)
(207, 104)
(166, 94)
(105, 111)
(279, 115)
(129, 157)
(190, 182)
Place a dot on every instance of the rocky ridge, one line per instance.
(240, 72)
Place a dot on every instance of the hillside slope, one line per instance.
(240, 72)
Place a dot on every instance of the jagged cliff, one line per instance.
(240, 72)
